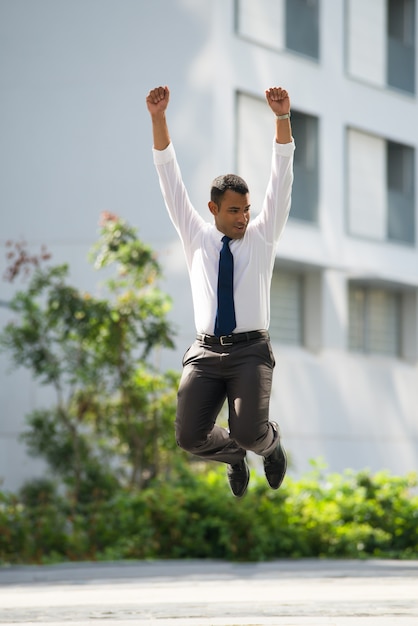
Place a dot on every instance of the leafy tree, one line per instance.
(111, 424)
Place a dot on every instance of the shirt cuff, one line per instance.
(164, 156)
(284, 149)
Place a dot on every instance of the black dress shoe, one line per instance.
(275, 464)
(238, 477)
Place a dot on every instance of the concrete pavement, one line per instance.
(211, 593)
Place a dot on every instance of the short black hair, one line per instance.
(227, 181)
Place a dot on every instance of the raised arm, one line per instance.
(157, 102)
(279, 102)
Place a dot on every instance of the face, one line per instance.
(233, 215)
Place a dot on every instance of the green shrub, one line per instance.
(349, 515)
(110, 425)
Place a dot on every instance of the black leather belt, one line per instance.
(228, 340)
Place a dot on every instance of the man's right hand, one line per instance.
(157, 100)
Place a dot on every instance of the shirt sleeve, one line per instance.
(276, 206)
(184, 216)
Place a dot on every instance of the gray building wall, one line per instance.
(76, 140)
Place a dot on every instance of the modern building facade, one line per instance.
(77, 140)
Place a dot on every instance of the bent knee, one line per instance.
(188, 440)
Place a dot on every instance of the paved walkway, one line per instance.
(210, 593)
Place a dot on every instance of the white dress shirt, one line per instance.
(254, 254)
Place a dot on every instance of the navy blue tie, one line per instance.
(225, 315)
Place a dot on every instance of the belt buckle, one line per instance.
(222, 341)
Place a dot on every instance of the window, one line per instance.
(381, 42)
(302, 27)
(374, 320)
(255, 134)
(381, 194)
(254, 138)
(306, 170)
(366, 40)
(286, 315)
(280, 24)
(401, 44)
(400, 180)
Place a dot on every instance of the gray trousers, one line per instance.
(241, 374)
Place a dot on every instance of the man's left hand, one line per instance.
(278, 100)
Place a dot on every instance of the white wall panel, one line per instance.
(256, 128)
(409, 326)
(366, 185)
(347, 410)
(262, 21)
(286, 323)
(366, 40)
